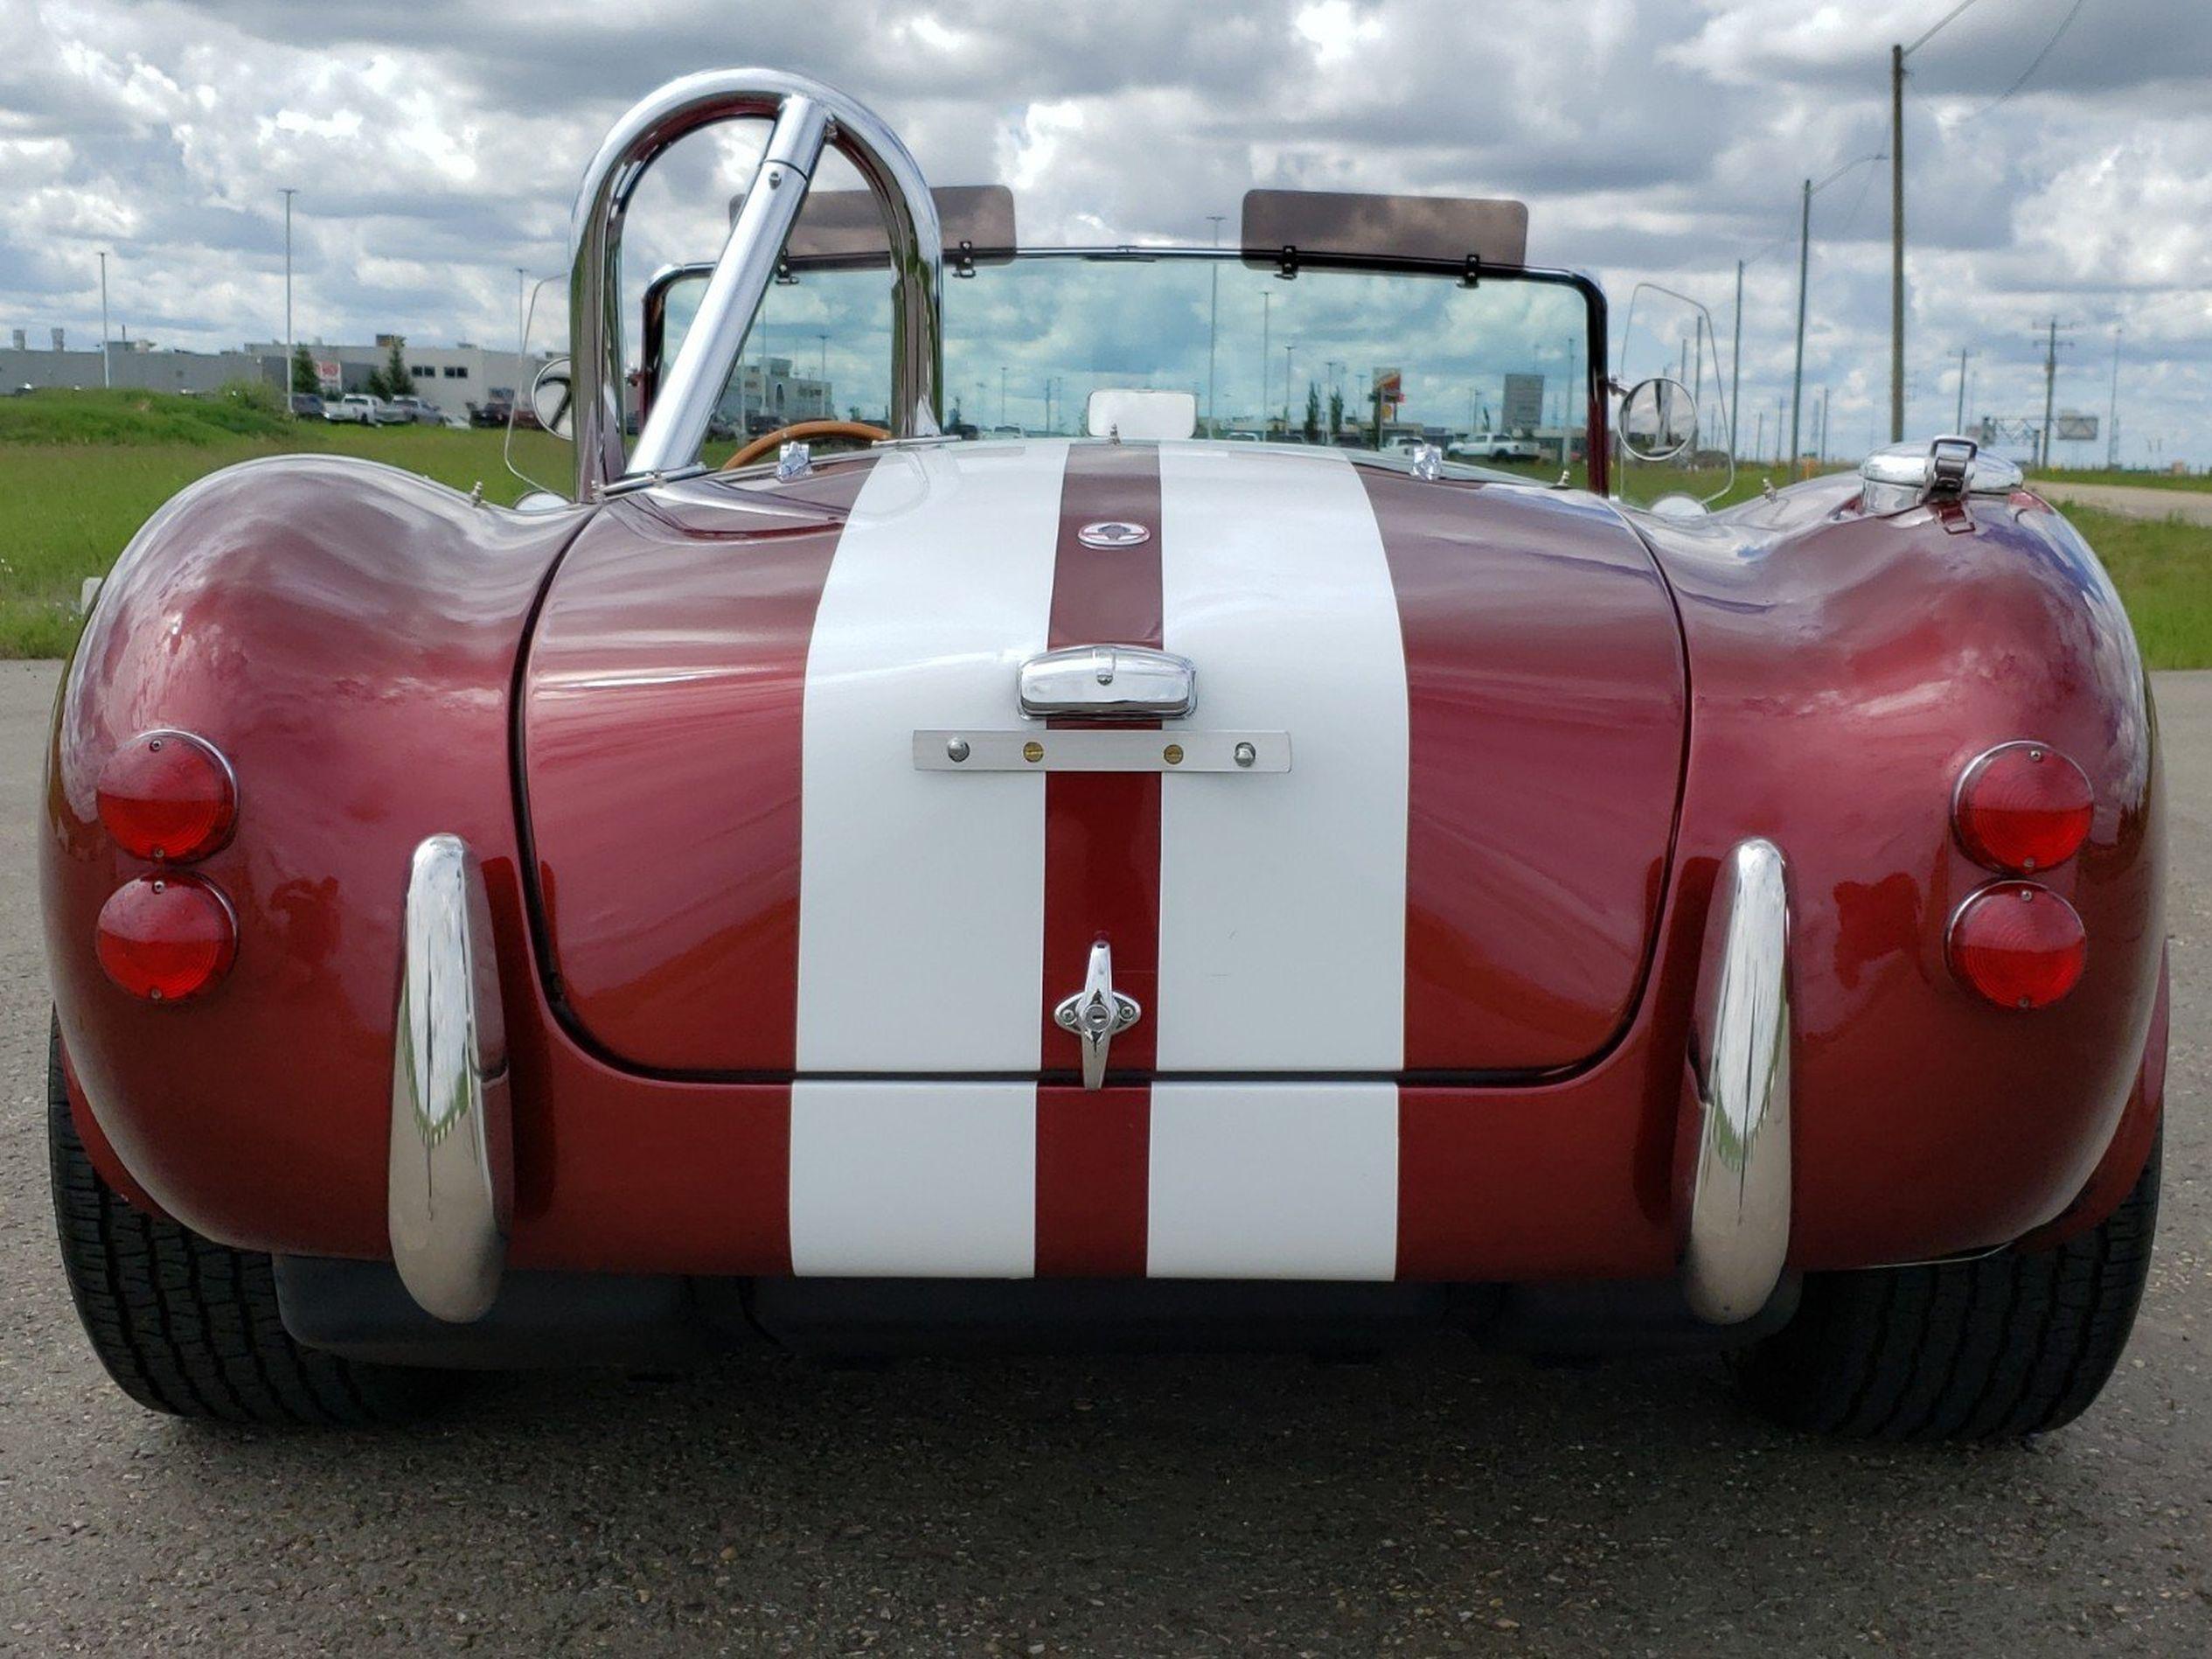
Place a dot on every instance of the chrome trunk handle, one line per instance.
(1108, 682)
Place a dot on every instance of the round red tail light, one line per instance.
(169, 797)
(2022, 807)
(167, 937)
(2021, 945)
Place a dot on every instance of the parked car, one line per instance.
(1495, 446)
(1107, 890)
(359, 408)
(496, 409)
(415, 410)
(306, 405)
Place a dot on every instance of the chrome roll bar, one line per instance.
(809, 117)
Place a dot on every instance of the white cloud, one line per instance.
(435, 148)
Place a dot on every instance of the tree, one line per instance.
(305, 377)
(1336, 411)
(1312, 412)
(399, 383)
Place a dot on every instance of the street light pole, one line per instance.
(1213, 324)
(291, 341)
(1897, 243)
(1796, 375)
(1736, 360)
(1266, 301)
(1287, 352)
(106, 377)
(1959, 424)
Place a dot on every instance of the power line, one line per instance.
(1949, 17)
(2057, 35)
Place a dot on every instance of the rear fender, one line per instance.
(346, 634)
(1845, 669)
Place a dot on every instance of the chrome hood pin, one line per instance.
(1098, 1013)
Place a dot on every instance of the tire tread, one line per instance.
(1996, 1347)
(192, 1328)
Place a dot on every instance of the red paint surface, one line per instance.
(1093, 1175)
(2140, 1127)
(1545, 707)
(349, 638)
(1102, 882)
(666, 686)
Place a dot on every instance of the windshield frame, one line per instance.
(1288, 264)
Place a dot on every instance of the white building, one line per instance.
(452, 377)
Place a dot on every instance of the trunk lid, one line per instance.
(747, 863)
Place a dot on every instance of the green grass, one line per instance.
(80, 472)
(2136, 480)
(2163, 569)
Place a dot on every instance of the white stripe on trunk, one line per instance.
(927, 1179)
(1282, 899)
(1273, 1181)
(921, 894)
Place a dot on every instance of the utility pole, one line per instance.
(1213, 324)
(1959, 425)
(1736, 360)
(291, 345)
(1002, 395)
(1287, 353)
(1897, 56)
(2112, 416)
(1897, 243)
(1796, 375)
(2050, 385)
(1758, 437)
(106, 376)
(1823, 426)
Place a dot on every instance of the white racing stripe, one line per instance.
(1273, 1181)
(922, 895)
(1282, 899)
(927, 1179)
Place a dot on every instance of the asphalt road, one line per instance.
(1440, 1502)
(2135, 500)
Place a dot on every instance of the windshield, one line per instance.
(1495, 375)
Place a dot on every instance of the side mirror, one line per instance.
(553, 398)
(1658, 418)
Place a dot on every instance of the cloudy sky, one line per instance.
(435, 148)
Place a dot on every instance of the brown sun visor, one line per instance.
(1329, 223)
(842, 230)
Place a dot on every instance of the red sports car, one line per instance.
(1194, 864)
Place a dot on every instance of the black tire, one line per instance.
(189, 1327)
(2007, 1345)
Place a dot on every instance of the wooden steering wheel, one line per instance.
(782, 435)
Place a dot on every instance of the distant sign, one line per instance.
(1523, 409)
(1390, 386)
(2075, 428)
(327, 371)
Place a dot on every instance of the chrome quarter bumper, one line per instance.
(450, 1174)
(1739, 1183)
